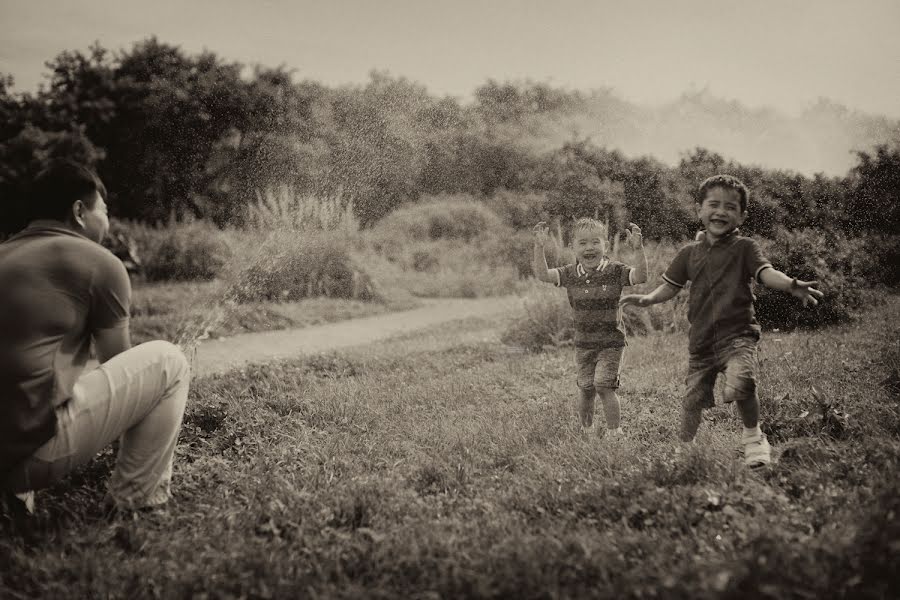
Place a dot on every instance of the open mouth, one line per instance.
(718, 222)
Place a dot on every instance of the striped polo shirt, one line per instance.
(594, 296)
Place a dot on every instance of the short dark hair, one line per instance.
(58, 186)
(727, 182)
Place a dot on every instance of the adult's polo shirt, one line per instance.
(56, 289)
(720, 307)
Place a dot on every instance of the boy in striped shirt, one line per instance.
(594, 285)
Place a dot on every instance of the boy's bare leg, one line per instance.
(610, 407)
(606, 381)
(586, 406)
(749, 409)
(690, 422)
(701, 378)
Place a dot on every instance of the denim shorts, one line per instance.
(738, 359)
(598, 368)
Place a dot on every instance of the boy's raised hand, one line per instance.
(633, 236)
(542, 233)
(805, 291)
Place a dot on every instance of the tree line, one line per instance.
(178, 136)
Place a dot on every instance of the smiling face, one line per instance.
(721, 212)
(590, 246)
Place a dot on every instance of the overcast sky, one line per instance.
(784, 54)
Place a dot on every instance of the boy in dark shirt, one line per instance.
(724, 334)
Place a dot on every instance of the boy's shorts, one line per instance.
(737, 358)
(598, 368)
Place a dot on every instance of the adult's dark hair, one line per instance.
(58, 186)
(727, 182)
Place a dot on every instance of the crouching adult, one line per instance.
(60, 290)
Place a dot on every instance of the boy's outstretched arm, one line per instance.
(665, 292)
(539, 260)
(636, 239)
(803, 290)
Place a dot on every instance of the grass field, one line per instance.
(449, 465)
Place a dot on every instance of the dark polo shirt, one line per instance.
(594, 296)
(720, 307)
(56, 288)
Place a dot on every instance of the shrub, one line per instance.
(884, 254)
(120, 241)
(519, 210)
(182, 251)
(441, 217)
(546, 320)
(838, 263)
(515, 249)
(291, 267)
(444, 268)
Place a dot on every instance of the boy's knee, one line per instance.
(587, 391)
(607, 382)
(698, 399)
(585, 383)
(740, 388)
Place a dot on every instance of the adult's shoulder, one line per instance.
(104, 265)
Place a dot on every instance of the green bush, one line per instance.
(176, 252)
(519, 210)
(884, 252)
(290, 267)
(838, 263)
(183, 251)
(445, 269)
(440, 217)
(516, 249)
(120, 241)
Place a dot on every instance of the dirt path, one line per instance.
(217, 356)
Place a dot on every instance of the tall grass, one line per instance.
(282, 208)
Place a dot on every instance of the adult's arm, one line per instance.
(110, 308)
(110, 342)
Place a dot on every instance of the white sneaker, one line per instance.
(757, 452)
(615, 434)
(27, 499)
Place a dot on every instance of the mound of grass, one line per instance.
(440, 217)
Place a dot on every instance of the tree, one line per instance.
(874, 197)
(30, 135)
